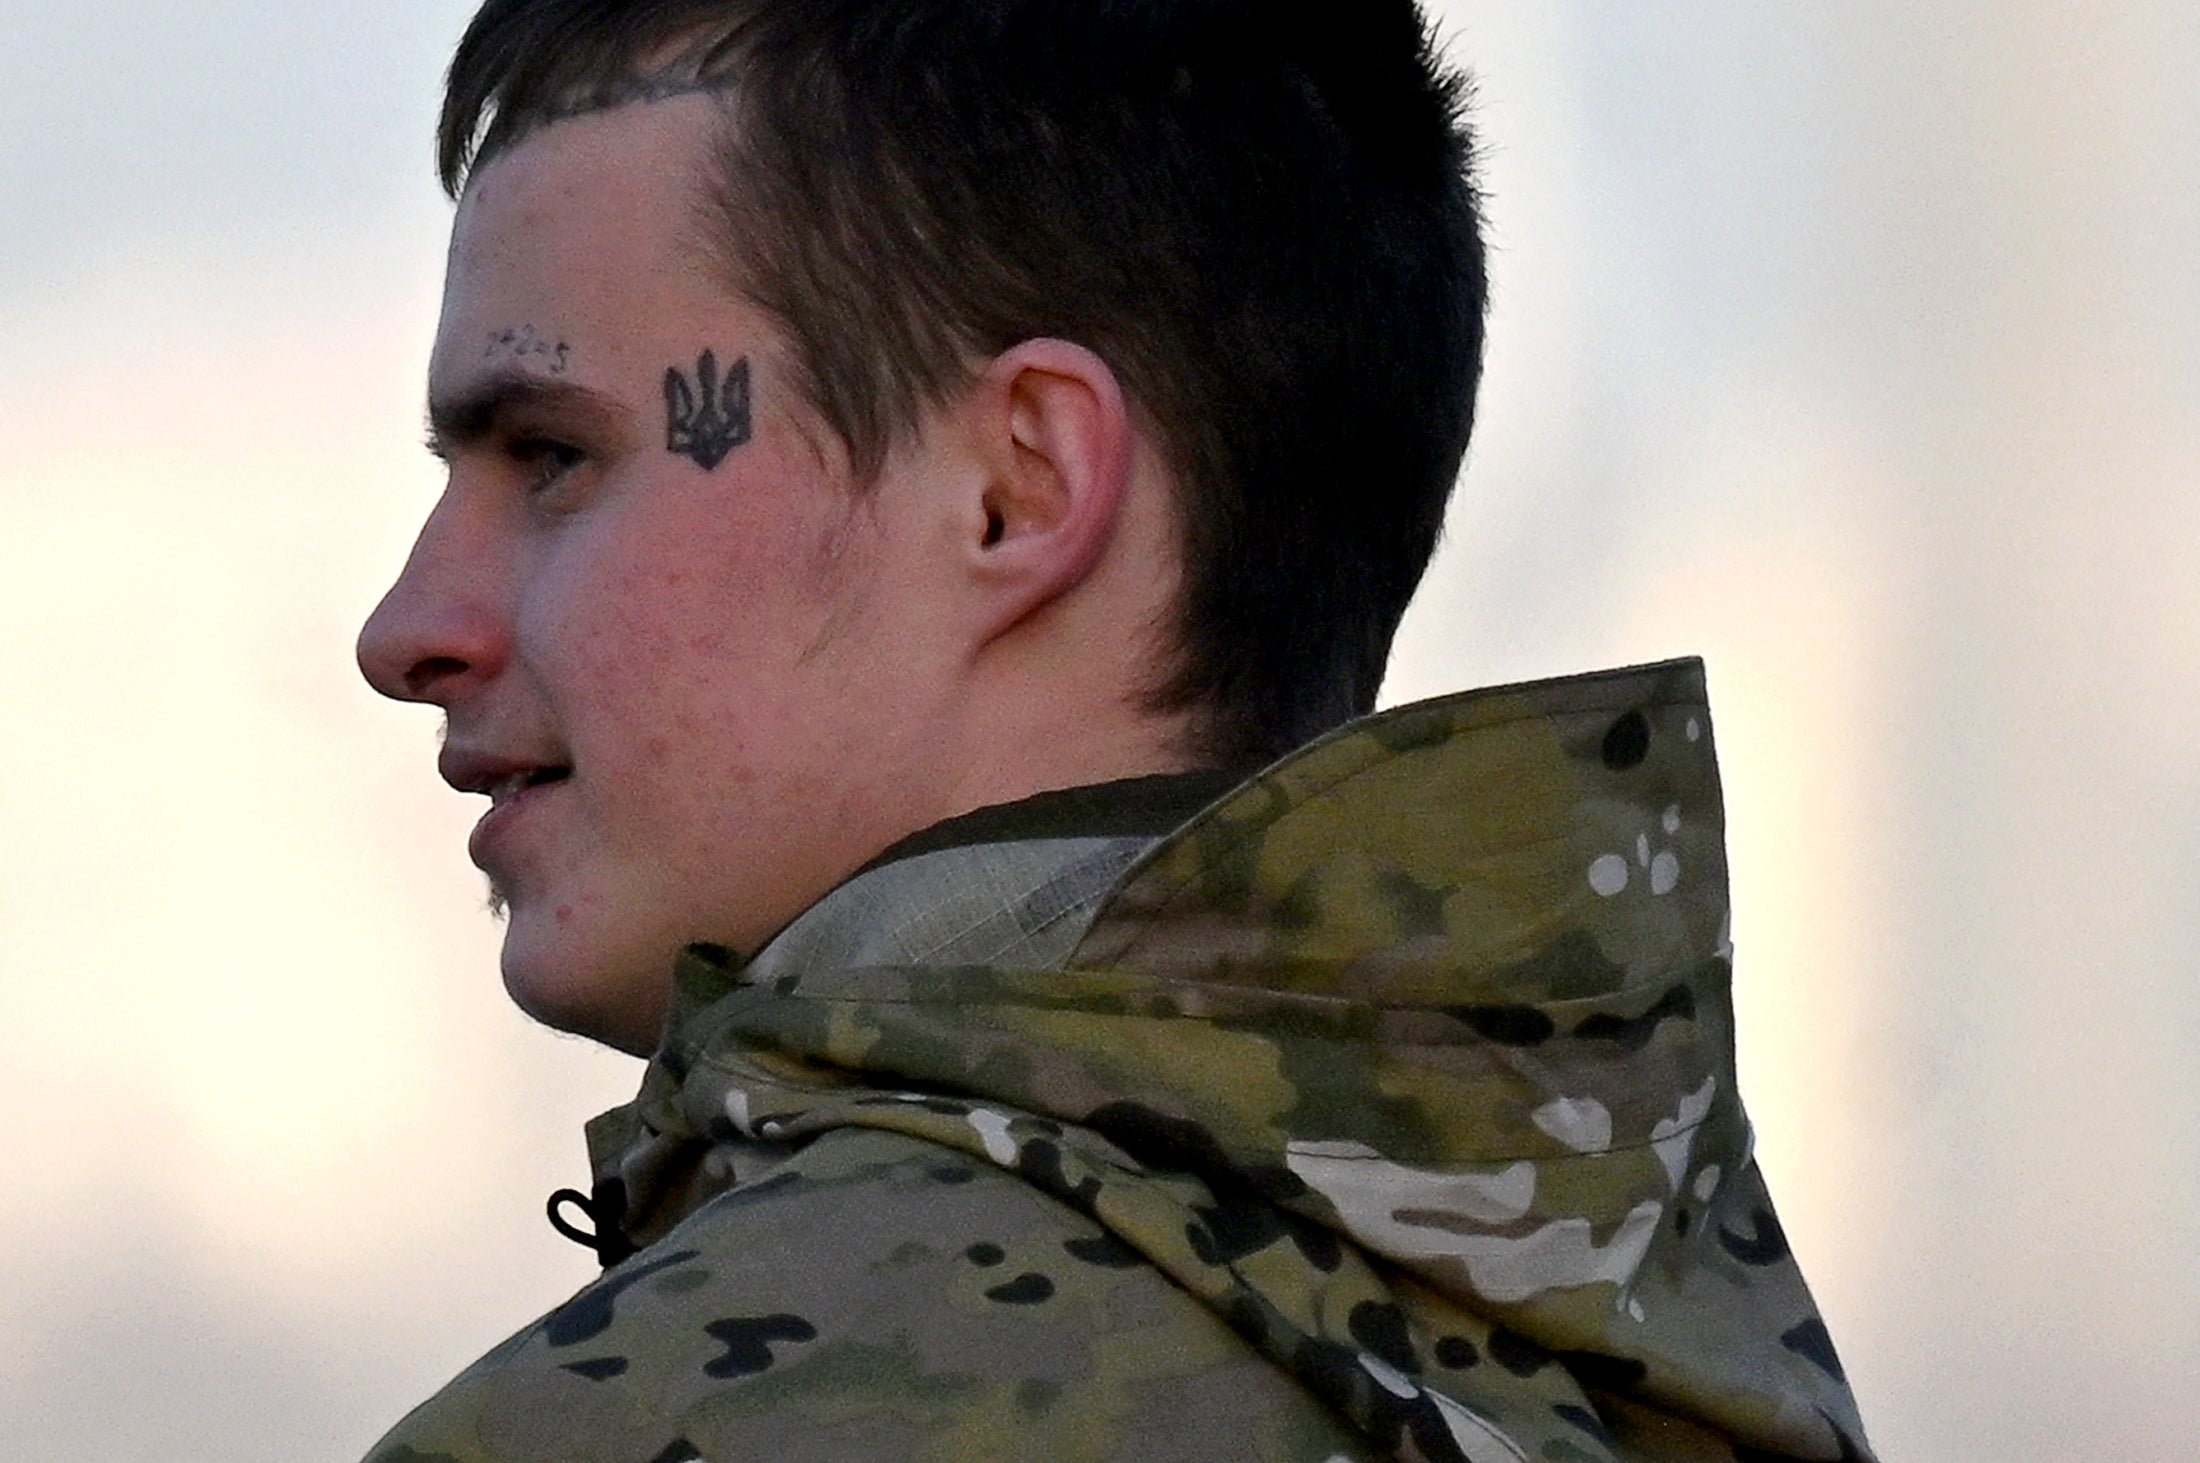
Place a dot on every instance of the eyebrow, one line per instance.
(473, 414)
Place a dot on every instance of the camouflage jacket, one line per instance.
(1384, 1109)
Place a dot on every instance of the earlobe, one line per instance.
(1058, 448)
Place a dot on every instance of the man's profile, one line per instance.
(932, 486)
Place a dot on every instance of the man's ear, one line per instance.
(1055, 435)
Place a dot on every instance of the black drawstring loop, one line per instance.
(602, 1211)
(567, 1227)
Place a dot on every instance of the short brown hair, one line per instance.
(1259, 212)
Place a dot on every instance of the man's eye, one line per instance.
(545, 460)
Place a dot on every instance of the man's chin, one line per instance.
(568, 987)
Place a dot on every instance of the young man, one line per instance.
(912, 462)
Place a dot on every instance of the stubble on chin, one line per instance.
(497, 903)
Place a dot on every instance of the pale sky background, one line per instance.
(1853, 344)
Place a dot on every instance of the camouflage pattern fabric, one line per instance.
(1386, 1109)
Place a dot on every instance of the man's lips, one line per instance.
(510, 797)
(505, 789)
(510, 783)
(497, 777)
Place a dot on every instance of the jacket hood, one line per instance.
(1423, 1032)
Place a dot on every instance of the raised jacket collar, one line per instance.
(1450, 985)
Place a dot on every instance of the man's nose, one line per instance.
(441, 631)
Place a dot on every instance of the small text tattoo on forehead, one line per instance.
(708, 417)
(527, 344)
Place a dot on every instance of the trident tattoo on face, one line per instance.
(707, 418)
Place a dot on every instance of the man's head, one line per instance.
(859, 410)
